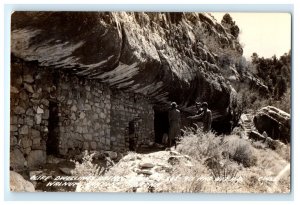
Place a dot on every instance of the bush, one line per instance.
(86, 167)
(207, 145)
(200, 145)
(241, 152)
(251, 101)
(284, 103)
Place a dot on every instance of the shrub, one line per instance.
(200, 145)
(86, 167)
(284, 103)
(241, 151)
(251, 101)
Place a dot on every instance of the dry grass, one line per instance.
(200, 145)
(207, 145)
(215, 164)
(253, 166)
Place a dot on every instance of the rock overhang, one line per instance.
(158, 55)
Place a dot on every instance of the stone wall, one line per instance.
(126, 108)
(30, 94)
(84, 115)
(54, 108)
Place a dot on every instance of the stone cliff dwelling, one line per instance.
(56, 113)
(90, 80)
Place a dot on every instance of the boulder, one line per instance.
(275, 122)
(17, 160)
(65, 170)
(146, 165)
(256, 136)
(19, 184)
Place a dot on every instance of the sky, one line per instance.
(264, 33)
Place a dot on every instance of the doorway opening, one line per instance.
(53, 133)
(161, 125)
(132, 135)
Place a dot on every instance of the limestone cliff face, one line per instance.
(163, 56)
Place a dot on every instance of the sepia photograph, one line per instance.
(150, 102)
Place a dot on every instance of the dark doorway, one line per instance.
(161, 125)
(53, 134)
(131, 133)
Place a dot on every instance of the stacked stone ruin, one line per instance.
(90, 116)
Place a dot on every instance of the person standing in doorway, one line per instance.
(174, 122)
(203, 115)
